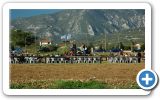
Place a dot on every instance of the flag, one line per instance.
(66, 37)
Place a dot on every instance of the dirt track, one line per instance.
(104, 72)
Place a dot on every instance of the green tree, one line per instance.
(63, 50)
(20, 38)
(121, 46)
(143, 47)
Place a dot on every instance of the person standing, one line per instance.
(139, 57)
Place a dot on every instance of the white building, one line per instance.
(45, 42)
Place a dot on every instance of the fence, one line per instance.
(73, 59)
(48, 59)
(123, 59)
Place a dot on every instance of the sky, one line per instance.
(16, 13)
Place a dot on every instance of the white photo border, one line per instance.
(6, 24)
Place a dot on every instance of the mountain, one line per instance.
(88, 22)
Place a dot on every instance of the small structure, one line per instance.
(45, 42)
(137, 46)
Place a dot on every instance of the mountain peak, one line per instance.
(83, 21)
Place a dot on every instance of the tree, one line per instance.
(121, 46)
(143, 47)
(127, 48)
(90, 46)
(132, 45)
(63, 50)
(20, 38)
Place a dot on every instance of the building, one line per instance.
(137, 46)
(45, 42)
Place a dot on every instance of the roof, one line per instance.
(45, 41)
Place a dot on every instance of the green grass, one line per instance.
(74, 84)
(61, 84)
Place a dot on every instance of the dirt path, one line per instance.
(104, 72)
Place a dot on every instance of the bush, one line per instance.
(21, 38)
(63, 50)
(74, 84)
(61, 84)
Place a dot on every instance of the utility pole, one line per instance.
(87, 39)
(105, 41)
(35, 42)
(25, 44)
(118, 41)
(65, 40)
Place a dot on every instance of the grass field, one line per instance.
(63, 76)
